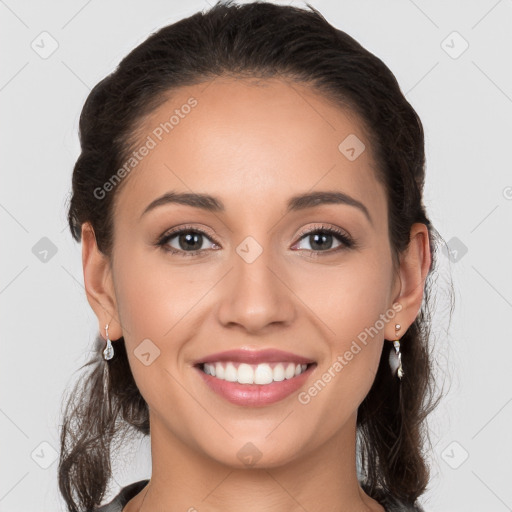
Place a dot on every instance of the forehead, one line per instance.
(247, 141)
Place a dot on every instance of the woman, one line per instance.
(271, 373)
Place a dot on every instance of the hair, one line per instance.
(262, 40)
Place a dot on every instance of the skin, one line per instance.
(253, 145)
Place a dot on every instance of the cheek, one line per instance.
(153, 294)
(350, 305)
(346, 298)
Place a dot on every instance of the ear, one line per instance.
(99, 285)
(414, 266)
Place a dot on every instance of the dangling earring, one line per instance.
(397, 364)
(108, 353)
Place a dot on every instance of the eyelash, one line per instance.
(347, 242)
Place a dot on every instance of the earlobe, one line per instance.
(414, 267)
(98, 283)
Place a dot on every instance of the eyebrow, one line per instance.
(295, 203)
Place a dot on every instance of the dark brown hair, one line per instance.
(260, 40)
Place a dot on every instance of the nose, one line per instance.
(256, 296)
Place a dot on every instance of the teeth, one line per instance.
(263, 373)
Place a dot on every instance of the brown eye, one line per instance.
(321, 240)
(186, 242)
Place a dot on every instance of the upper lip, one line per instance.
(269, 355)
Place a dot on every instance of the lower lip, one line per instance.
(255, 394)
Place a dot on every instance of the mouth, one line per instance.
(254, 385)
(260, 374)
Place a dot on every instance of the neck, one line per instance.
(185, 479)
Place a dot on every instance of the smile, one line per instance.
(254, 385)
(263, 373)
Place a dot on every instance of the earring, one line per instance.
(108, 353)
(396, 364)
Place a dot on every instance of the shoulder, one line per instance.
(124, 496)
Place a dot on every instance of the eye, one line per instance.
(321, 239)
(187, 241)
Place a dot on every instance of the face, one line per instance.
(257, 271)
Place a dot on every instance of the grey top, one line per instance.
(128, 492)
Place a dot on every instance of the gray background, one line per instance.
(464, 99)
